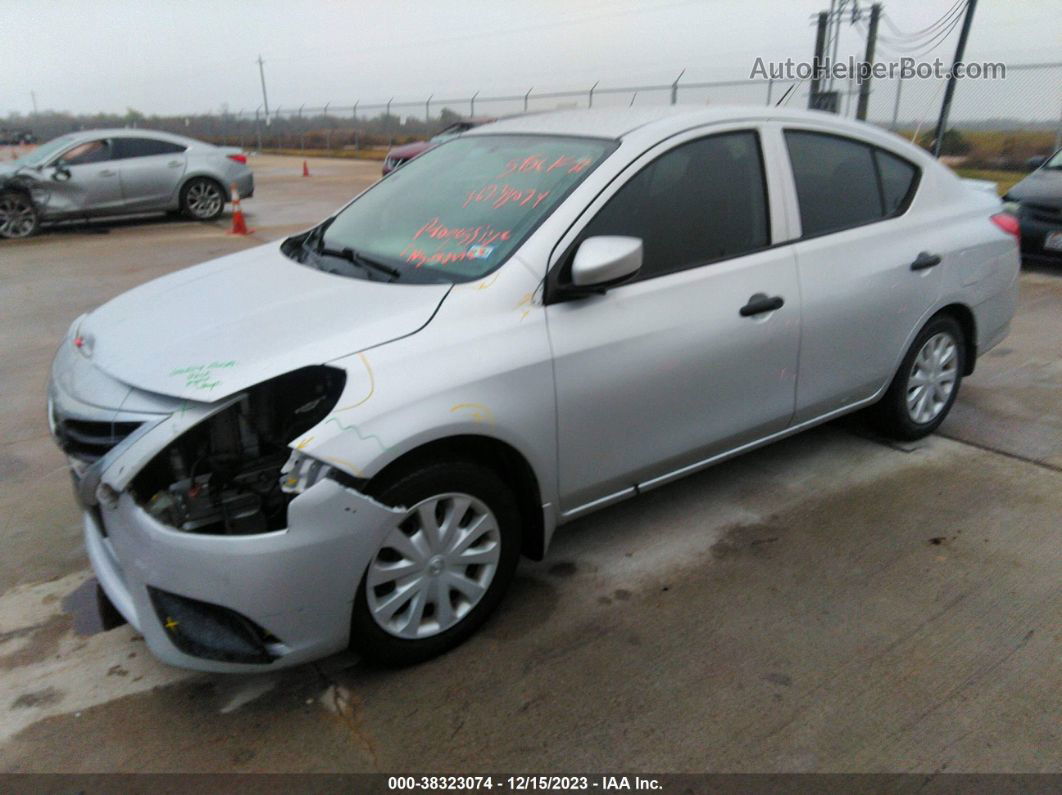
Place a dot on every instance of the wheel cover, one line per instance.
(204, 199)
(434, 566)
(932, 379)
(17, 216)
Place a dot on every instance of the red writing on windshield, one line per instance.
(543, 164)
(501, 195)
(484, 234)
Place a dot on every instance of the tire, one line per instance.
(203, 199)
(910, 409)
(402, 620)
(18, 215)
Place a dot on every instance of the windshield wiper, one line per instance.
(355, 258)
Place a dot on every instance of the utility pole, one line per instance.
(261, 74)
(949, 92)
(864, 87)
(816, 61)
(33, 96)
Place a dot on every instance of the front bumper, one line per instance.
(1034, 231)
(296, 584)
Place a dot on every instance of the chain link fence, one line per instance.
(994, 123)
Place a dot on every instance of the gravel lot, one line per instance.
(830, 603)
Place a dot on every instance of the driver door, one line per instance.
(676, 366)
(85, 180)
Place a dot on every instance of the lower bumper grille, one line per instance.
(211, 632)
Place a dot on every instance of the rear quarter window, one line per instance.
(898, 181)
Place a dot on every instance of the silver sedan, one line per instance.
(351, 436)
(96, 173)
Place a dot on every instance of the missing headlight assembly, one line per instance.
(222, 477)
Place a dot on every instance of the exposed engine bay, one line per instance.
(223, 477)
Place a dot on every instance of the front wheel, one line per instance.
(927, 383)
(442, 568)
(202, 199)
(18, 215)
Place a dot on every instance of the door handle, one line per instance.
(174, 163)
(760, 303)
(925, 260)
(108, 173)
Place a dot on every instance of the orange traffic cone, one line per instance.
(239, 225)
(305, 169)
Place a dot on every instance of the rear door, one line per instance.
(84, 180)
(862, 279)
(657, 375)
(151, 171)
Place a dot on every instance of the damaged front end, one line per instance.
(223, 476)
(227, 549)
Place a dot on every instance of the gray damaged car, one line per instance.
(350, 437)
(97, 173)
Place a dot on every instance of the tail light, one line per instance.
(1008, 223)
(239, 158)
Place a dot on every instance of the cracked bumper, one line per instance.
(298, 584)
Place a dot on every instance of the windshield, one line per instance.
(453, 214)
(45, 151)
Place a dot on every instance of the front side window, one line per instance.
(88, 152)
(125, 148)
(701, 201)
(453, 214)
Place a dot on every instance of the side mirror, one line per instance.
(606, 260)
(61, 173)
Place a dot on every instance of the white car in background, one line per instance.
(349, 437)
(95, 173)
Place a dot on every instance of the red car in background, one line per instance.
(397, 155)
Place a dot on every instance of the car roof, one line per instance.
(136, 132)
(616, 123)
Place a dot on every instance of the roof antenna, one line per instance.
(786, 94)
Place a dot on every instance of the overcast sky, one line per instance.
(196, 55)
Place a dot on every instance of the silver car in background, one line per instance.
(350, 437)
(95, 173)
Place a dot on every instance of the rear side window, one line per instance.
(143, 147)
(843, 183)
(897, 180)
(701, 201)
(836, 182)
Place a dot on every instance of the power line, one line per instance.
(919, 33)
(948, 23)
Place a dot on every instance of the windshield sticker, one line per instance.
(480, 252)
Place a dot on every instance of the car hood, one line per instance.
(214, 329)
(1043, 186)
(407, 151)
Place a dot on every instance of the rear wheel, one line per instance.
(442, 568)
(18, 215)
(202, 199)
(927, 383)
